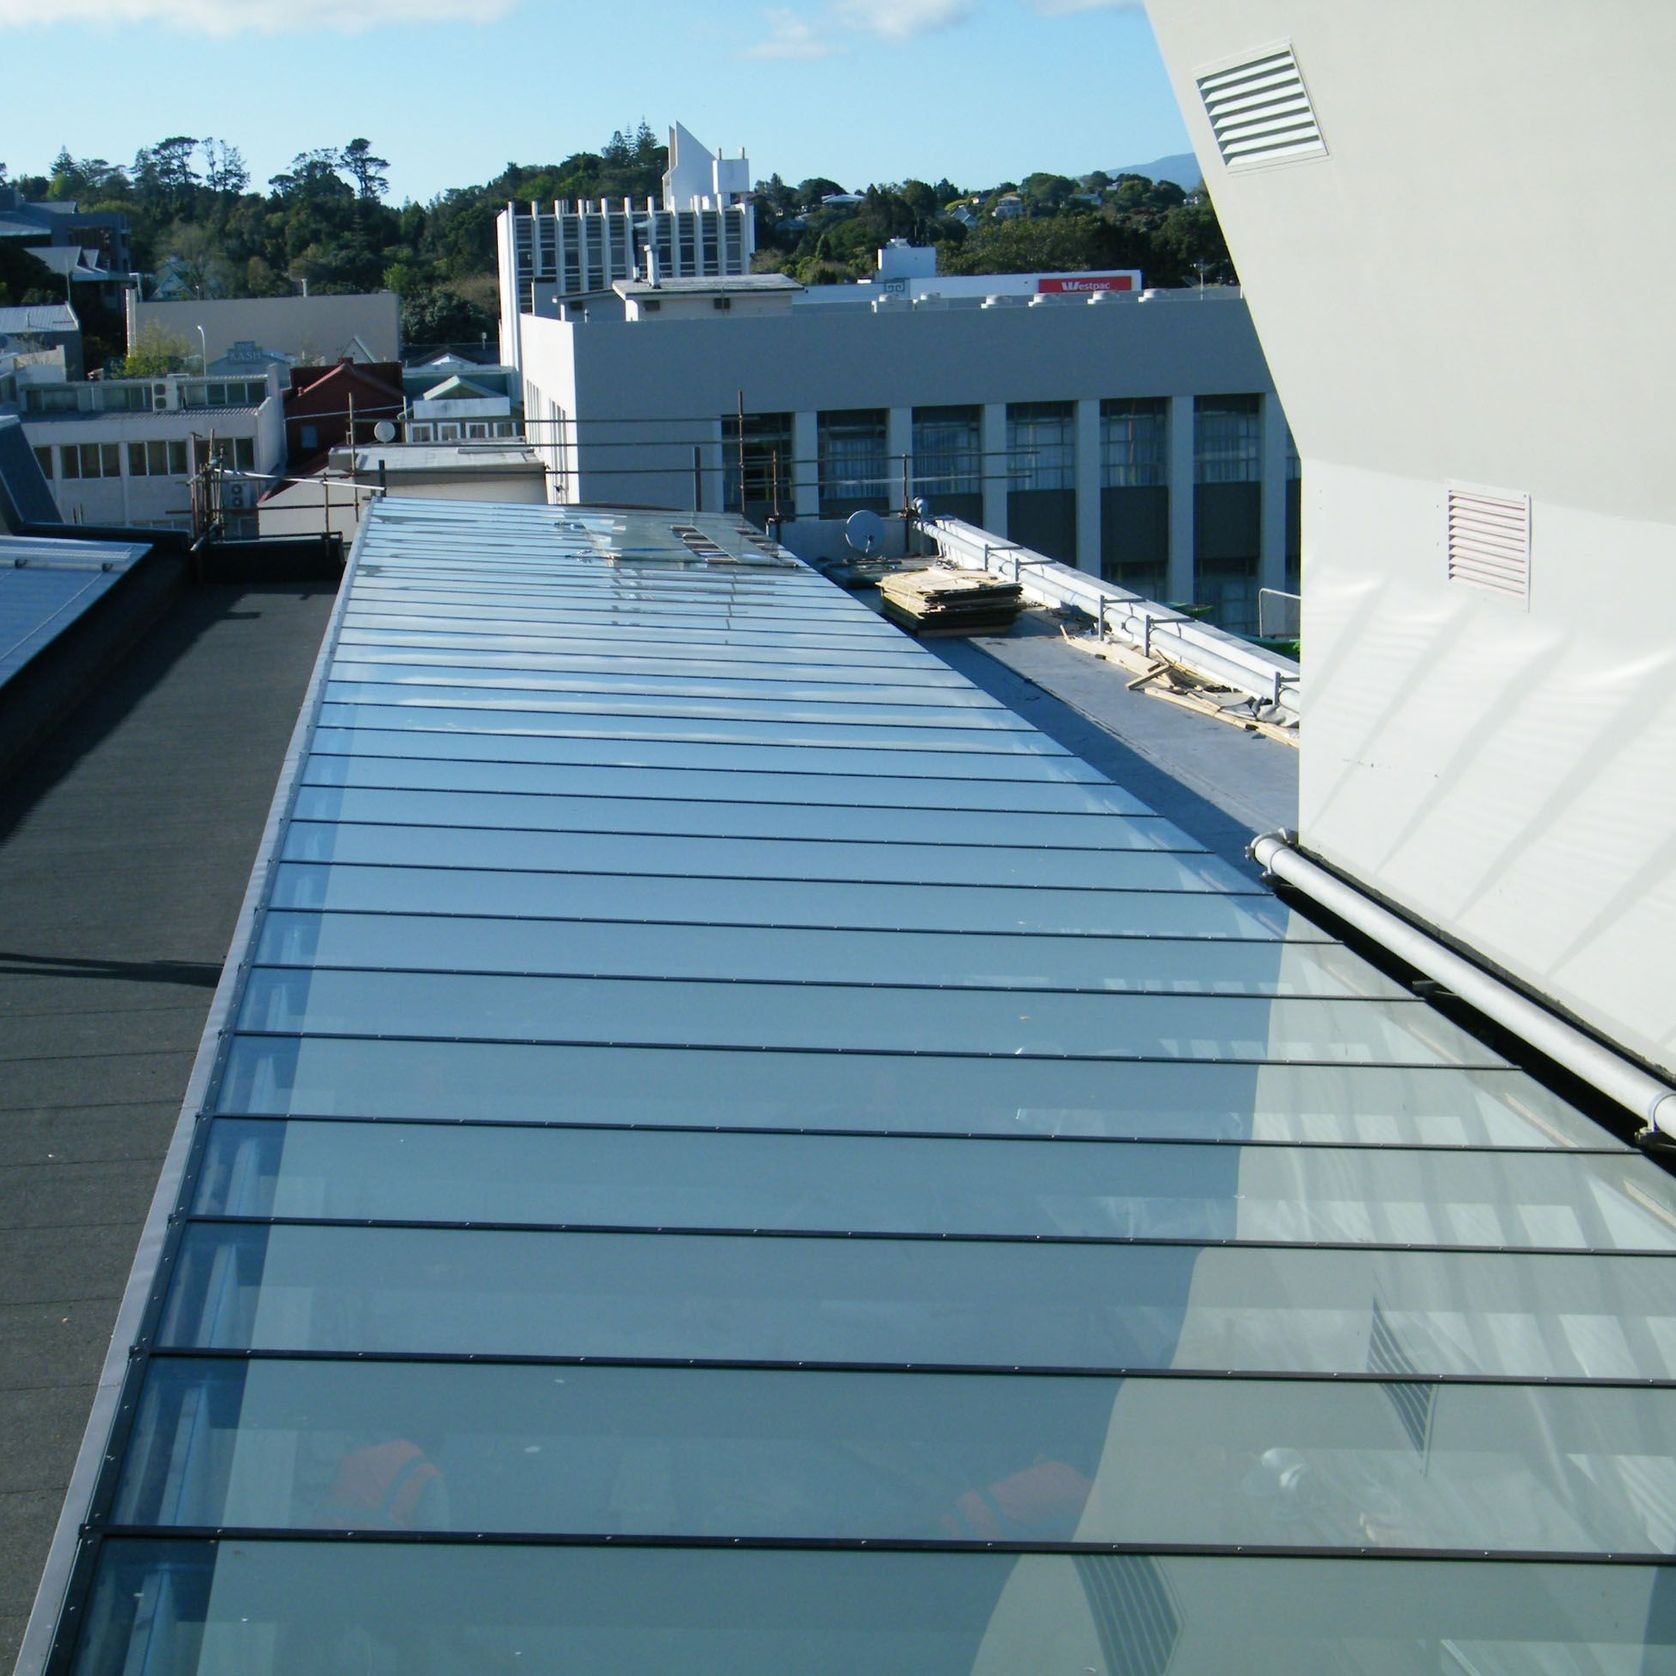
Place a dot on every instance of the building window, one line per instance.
(948, 451)
(90, 459)
(767, 456)
(1132, 443)
(157, 459)
(852, 455)
(1041, 445)
(1227, 444)
(43, 458)
(1294, 466)
(237, 453)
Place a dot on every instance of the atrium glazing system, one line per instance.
(724, 1149)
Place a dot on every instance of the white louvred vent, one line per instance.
(1489, 541)
(1260, 112)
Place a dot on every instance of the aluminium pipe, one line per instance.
(1615, 1076)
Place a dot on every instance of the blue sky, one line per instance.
(449, 90)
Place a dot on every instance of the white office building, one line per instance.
(122, 451)
(1137, 437)
(704, 227)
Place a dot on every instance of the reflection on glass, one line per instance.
(829, 790)
(976, 741)
(606, 948)
(626, 853)
(589, 707)
(683, 678)
(960, 1303)
(1172, 1100)
(713, 818)
(358, 733)
(921, 1457)
(892, 659)
(401, 1172)
(369, 888)
(230, 1609)
(1046, 1023)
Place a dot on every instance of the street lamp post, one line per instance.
(203, 355)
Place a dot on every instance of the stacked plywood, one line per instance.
(943, 601)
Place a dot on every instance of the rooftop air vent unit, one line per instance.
(1260, 112)
(1489, 541)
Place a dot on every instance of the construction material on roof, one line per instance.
(944, 601)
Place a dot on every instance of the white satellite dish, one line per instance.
(384, 431)
(864, 531)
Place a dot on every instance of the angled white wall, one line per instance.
(1469, 286)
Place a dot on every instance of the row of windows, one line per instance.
(81, 460)
(948, 454)
(460, 430)
(144, 398)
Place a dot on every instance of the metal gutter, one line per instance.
(1143, 625)
(1615, 1076)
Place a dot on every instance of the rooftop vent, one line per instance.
(1260, 111)
(1489, 541)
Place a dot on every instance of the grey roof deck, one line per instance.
(125, 843)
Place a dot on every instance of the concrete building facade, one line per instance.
(1491, 517)
(365, 327)
(1141, 441)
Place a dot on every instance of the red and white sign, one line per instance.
(1085, 283)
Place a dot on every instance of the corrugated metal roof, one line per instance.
(727, 1150)
(38, 317)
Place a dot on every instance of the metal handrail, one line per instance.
(1143, 625)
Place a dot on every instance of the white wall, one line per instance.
(145, 499)
(309, 328)
(676, 378)
(1507, 774)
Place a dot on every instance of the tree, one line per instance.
(224, 170)
(312, 175)
(197, 257)
(163, 173)
(366, 170)
(156, 352)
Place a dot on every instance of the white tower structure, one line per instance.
(549, 255)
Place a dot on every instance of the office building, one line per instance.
(123, 451)
(704, 226)
(1136, 436)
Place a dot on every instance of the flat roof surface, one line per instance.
(125, 843)
(729, 1150)
(719, 284)
(444, 456)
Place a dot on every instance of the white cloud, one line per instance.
(1064, 8)
(266, 17)
(901, 20)
(791, 36)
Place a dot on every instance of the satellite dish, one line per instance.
(384, 431)
(864, 531)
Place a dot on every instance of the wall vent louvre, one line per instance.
(1489, 541)
(1260, 111)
